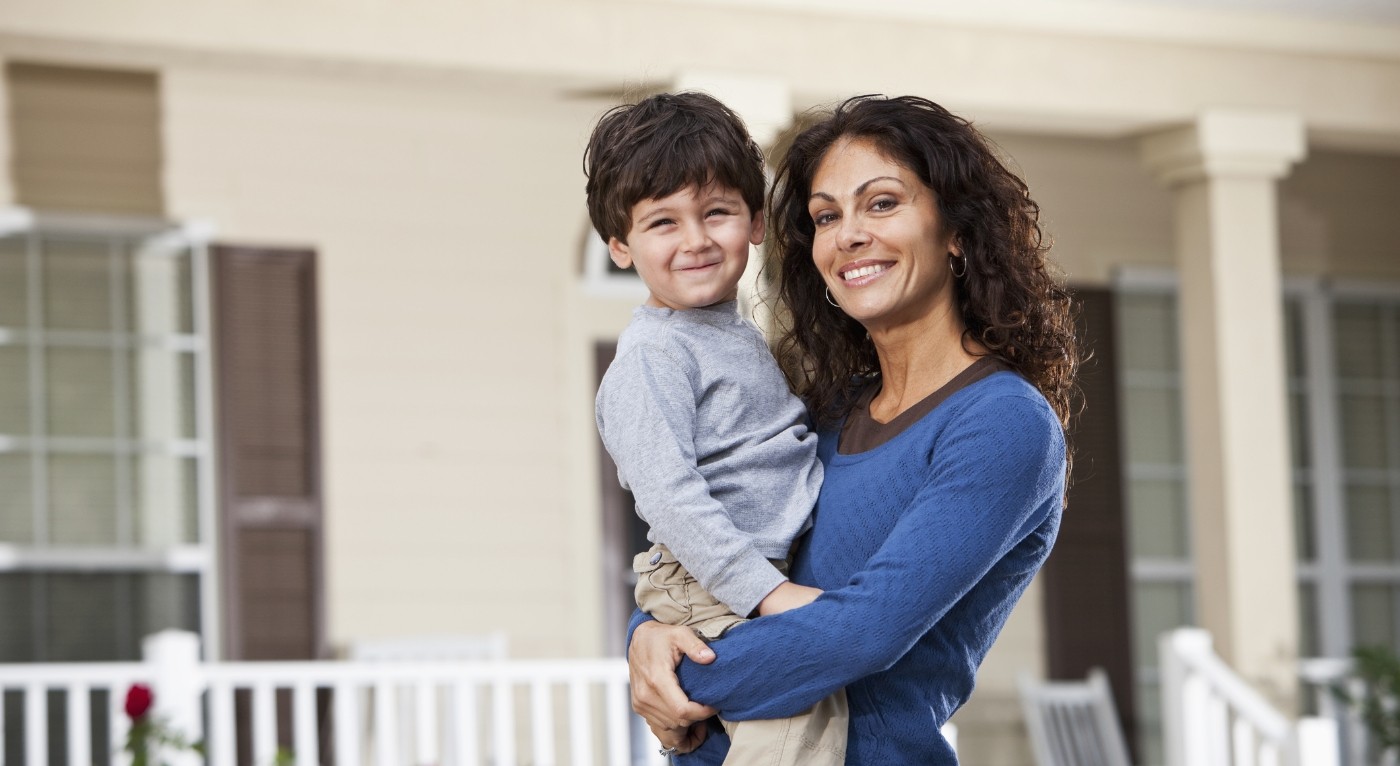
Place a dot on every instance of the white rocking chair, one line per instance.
(1073, 723)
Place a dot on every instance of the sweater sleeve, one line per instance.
(992, 485)
(647, 418)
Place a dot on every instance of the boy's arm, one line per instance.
(646, 416)
(788, 595)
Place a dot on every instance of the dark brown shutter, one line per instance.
(1086, 579)
(265, 317)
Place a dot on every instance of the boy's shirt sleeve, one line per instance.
(647, 419)
(979, 503)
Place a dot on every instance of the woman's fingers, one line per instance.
(683, 739)
(652, 658)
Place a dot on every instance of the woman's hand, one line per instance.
(684, 739)
(657, 696)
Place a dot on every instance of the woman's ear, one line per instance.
(621, 254)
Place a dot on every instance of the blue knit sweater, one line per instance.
(923, 545)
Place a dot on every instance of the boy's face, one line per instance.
(690, 247)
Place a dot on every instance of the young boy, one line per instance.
(694, 409)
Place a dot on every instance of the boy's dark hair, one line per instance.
(660, 145)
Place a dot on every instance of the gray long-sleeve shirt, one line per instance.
(715, 449)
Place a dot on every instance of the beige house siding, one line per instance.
(447, 235)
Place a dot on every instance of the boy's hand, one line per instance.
(787, 596)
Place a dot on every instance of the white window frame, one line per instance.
(1330, 573)
(199, 559)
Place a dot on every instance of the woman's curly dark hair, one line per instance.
(1010, 301)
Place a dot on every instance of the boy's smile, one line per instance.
(691, 246)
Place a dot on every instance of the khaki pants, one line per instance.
(815, 737)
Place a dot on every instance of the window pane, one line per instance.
(88, 615)
(1370, 523)
(14, 279)
(165, 500)
(1149, 333)
(162, 394)
(1363, 431)
(1158, 518)
(16, 501)
(1309, 645)
(1301, 456)
(17, 629)
(1158, 608)
(77, 285)
(14, 390)
(80, 392)
(1373, 615)
(1303, 522)
(1154, 426)
(1357, 334)
(82, 492)
(162, 601)
(1293, 339)
(91, 617)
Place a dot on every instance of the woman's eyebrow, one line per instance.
(859, 189)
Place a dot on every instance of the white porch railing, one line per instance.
(545, 713)
(1320, 677)
(1210, 717)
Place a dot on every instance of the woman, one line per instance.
(936, 354)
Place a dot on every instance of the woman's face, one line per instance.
(879, 241)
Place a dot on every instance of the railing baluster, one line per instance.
(118, 724)
(619, 741)
(580, 725)
(386, 724)
(1218, 721)
(345, 720)
(306, 747)
(425, 715)
(503, 723)
(466, 725)
(222, 725)
(79, 724)
(36, 725)
(542, 722)
(264, 723)
(1243, 739)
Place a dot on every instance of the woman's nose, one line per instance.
(851, 234)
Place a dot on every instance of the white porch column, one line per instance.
(765, 104)
(1222, 171)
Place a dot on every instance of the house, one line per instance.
(301, 316)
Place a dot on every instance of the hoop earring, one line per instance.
(829, 300)
(955, 259)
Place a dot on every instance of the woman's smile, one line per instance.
(864, 272)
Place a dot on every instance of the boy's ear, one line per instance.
(758, 229)
(620, 252)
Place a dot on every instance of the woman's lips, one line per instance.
(860, 273)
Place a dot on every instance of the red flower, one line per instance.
(138, 701)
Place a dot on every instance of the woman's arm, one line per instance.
(981, 500)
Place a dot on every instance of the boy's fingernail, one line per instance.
(707, 653)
